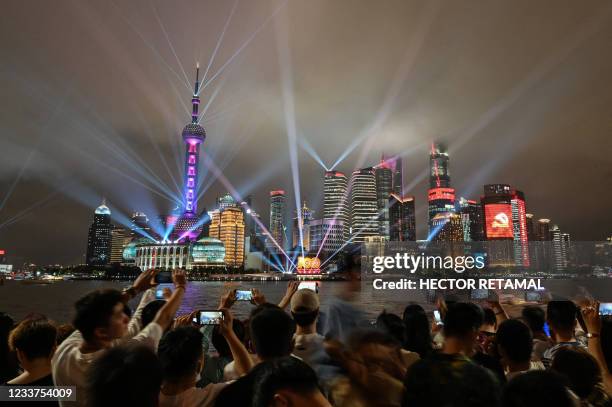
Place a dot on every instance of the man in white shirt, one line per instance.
(305, 311)
(101, 323)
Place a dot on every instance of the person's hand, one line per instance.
(226, 327)
(145, 280)
(258, 297)
(228, 299)
(292, 287)
(591, 317)
(441, 306)
(178, 278)
(166, 293)
(185, 320)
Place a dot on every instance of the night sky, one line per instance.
(93, 99)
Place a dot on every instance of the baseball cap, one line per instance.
(304, 300)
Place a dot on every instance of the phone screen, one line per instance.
(244, 295)
(163, 277)
(159, 291)
(437, 317)
(605, 308)
(546, 329)
(533, 296)
(310, 285)
(479, 294)
(208, 318)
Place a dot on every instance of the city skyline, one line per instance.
(526, 139)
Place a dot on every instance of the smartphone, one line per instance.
(546, 329)
(208, 318)
(605, 308)
(437, 317)
(310, 285)
(479, 294)
(533, 296)
(163, 277)
(159, 291)
(244, 295)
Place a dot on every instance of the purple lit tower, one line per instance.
(188, 224)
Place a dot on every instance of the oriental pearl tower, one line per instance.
(188, 224)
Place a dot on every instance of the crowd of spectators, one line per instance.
(297, 354)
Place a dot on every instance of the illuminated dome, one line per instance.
(102, 210)
(208, 251)
(194, 131)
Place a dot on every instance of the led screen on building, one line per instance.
(498, 218)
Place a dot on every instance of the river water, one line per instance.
(56, 300)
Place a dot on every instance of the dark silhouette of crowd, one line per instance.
(297, 354)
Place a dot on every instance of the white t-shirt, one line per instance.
(194, 397)
(307, 345)
(69, 365)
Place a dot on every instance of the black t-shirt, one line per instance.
(239, 393)
(43, 381)
(489, 362)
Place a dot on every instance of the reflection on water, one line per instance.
(56, 300)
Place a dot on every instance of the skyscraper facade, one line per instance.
(364, 205)
(99, 237)
(398, 177)
(505, 220)
(441, 197)
(120, 237)
(439, 174)
(336, 199)
(384, 186)
(326, 236)
(227, 225)
(560, 248)
(472, 220)
(277, 223)
(402, 221)
(302, 223)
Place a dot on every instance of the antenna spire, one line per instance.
(195, 100)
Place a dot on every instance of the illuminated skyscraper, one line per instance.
(120, 237)
(330, 230)
(398, 177)
(441, 197)
(364, 205)
(505, 220)
(439, 174)
(336, 200)
(304, 224)
(227, 225)
(99, 237)
(188, 225)
(384, 182)
(472, 220)
(402, 223)
(450, 227)
(277, 223)
(560, 247)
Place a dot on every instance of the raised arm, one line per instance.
(242, 359)
(593, 324)
(291, 289)
(166, 314)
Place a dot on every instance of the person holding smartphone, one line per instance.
(182, 359)
(101, 323)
